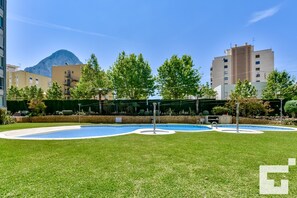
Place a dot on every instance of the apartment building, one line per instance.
(2, 53)
(67, 76)
(21, 79)
(241, 63)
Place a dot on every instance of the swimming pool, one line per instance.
(256, 127)
(97, 131)
(110, 130)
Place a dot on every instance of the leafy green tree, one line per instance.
(132, 77)
(28, 93)
(245, 94)
(54, 92)
(279, 85)
(177, 78)
(207, 91)
(13, 93)
(243, 89)
(93, 81)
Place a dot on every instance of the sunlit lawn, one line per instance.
(181, 165)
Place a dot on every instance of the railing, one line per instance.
(214, 124)
(67, 84)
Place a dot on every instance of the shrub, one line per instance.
(67, 112)
(205, 112)
(141, 112)
(37, 106)
(5, 117)
(291, 107)
(219, 110)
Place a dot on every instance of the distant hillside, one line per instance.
(60, 57)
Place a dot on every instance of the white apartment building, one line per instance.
(241, 63)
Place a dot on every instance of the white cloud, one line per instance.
(258, 16)
(54, 26)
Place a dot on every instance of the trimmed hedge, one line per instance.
(129, 107)
(125, 107)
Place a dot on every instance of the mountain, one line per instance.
(60, 57)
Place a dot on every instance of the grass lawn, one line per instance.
(207, 164)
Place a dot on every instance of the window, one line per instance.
(72, 72)
(30, 80)
(257, 62)
(1, 3)
(2, 43)
(257, 56)
(225, 72)
(1, 83)
(225, 78)
(225, 66)
(1, 62)
(36, 81)
(225, 60)
(211, 69)
(257, 80)
(64, 72)
(257, 75)
(257, 68)
(1, 22)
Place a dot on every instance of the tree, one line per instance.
(245, 94)
(132, 77)
(243, 89)
(54, 92)
(207, 91)
(279, 85)
(177, 78)
(93, 79)
(13, 93)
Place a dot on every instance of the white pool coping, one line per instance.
(240, 131)
(150, 131)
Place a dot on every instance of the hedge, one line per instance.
(128, 107)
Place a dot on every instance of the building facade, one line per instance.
(241, 63)
(66, 76)
(21, 79)
(2, 53)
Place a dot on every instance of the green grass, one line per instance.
(181, 165)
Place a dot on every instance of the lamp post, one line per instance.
(79, 112)
(99, 95)
(281, 110)
(159, 112)
(237, 117)
(154, 117)
(281, 106)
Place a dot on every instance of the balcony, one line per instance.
(67, 92)
(68, 84)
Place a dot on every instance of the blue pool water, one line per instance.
(256, 127)
(108, 130)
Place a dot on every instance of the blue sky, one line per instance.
(156, 28)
